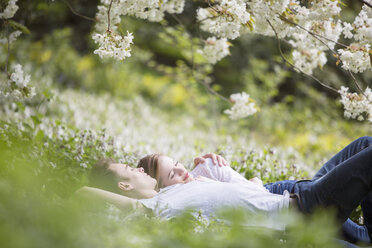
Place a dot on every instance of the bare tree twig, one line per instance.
(108, 16)
(286, 60)
(366, 3)
(313, 33)
(316, 37)
(192, 43)
(206, 86)
(7, 56)
(212, 91)
(356, 83)
(76, 13)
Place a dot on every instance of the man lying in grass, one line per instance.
(343, 182)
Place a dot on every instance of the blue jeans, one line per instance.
(344, 182)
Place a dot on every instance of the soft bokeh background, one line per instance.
(87, 108)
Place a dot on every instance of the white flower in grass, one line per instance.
(215, 49)
(19, 78)
(112, 45)
(10, 10)
(243, 106)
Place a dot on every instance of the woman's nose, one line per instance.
(140, 169)
(180, 170)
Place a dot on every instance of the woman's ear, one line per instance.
(125, 186)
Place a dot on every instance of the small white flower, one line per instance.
(347, 30)
(114, 46)
(357, 105)
(215, 50)
(12, 37)
(19, 78)
(243, 106)
(355, 59)
(10, 10)
(84, 165)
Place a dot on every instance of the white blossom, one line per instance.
(347, 30)
(363, 25)
(9, 10)
(19, 78)
(16, 88)
(357, 105)
(243, 106)
(112, 45)
(215, 49)
(12, 37)
(225, 19)
(307, 60)
(355, 59)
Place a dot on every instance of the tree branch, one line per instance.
(108, 16)
(192, 44)
(76, 13)
(366, 3)
(312, 33)
(356, 83)
(286, 60)
(212, 91)
(7, 56)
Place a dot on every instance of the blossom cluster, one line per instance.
(225, 19)
(17, 87)
(8, 13)
(357, 106)
(356, 57)
(112, 45)
(243, 106)
(9, 10)
(215, 49)
(311, 29)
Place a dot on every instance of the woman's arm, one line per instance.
(120, 201)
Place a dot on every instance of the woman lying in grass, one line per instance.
(343, 182)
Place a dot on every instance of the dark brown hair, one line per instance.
(102, 177)
(150, 164)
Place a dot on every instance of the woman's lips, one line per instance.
(186, 176)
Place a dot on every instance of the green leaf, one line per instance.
(39, 136)
(20, 106)
(35, 119)
(20, 27)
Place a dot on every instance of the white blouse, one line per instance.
(229, 190)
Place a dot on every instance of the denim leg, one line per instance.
(351, 231)
(349, 151)
(344, 187)
(354, 232)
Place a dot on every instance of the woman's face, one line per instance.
(171, 172)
